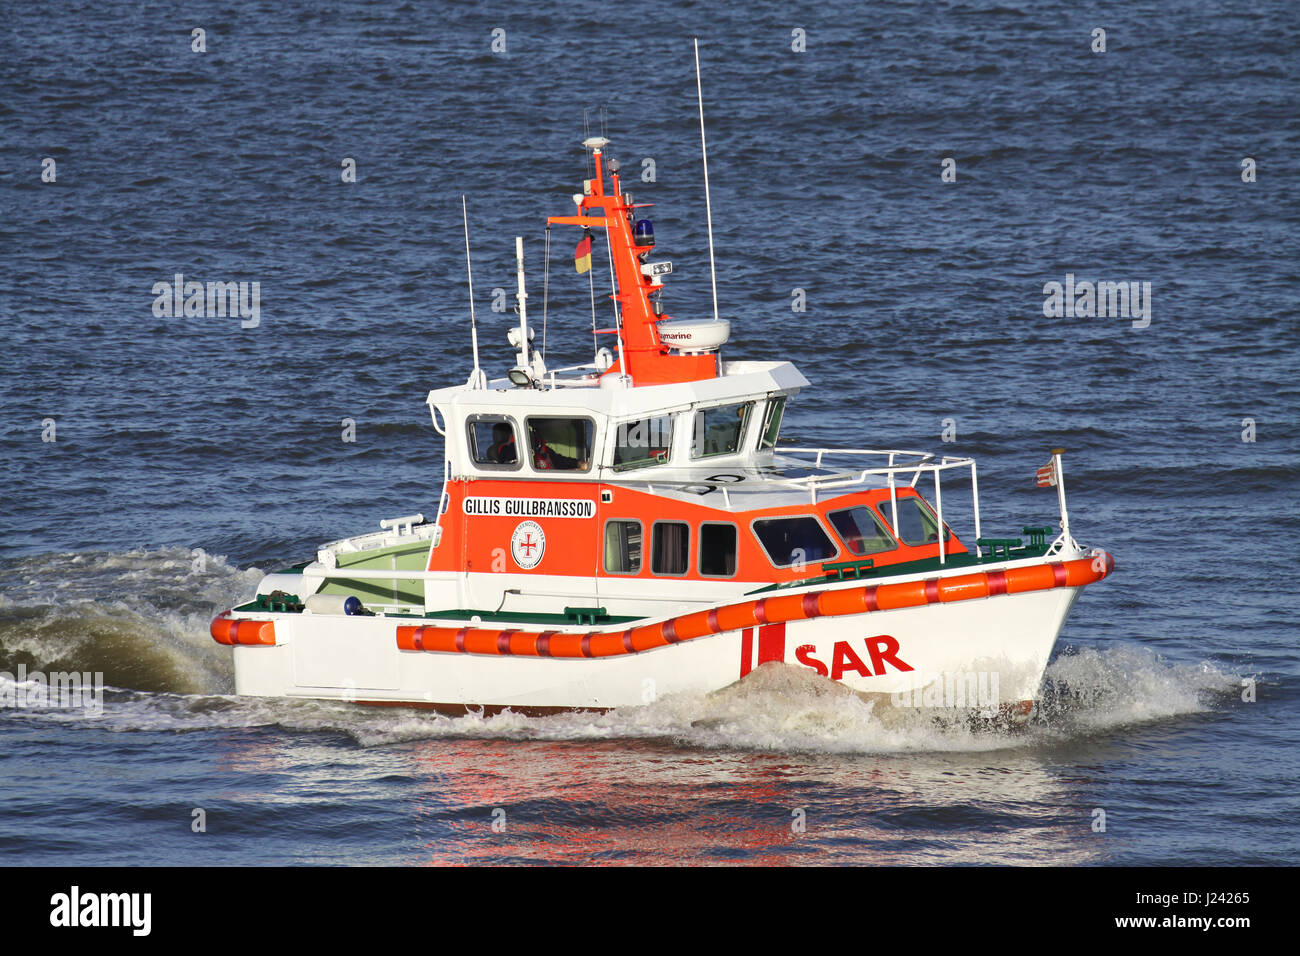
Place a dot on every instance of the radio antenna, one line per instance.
(478, 379)
(704, 153)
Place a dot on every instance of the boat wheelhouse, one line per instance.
(613, 532)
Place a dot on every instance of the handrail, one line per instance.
(925, 463)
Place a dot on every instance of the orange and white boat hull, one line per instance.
(991, 630)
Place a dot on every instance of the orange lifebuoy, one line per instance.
(234, 631)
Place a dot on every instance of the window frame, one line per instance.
(772, 403)
(700, 411)
(620, 469)
(894, 540)
(494, 418)
(665, 574)
(816, 517)
(604, 549)
(882, 506)
(699, 551)
(591, 450)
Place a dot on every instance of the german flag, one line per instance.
(582, 255)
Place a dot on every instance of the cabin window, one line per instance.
(916, 522)
(643, 443)
(492, 442)
(670, 547)
(560, 444)
(623, 547)
(794, 541)
(861, 531)
(718, 430)
(772, 423)
(718, 550)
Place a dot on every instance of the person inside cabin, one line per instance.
(550, 439)
(502, 451)
(545, 457)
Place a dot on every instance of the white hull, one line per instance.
(1000, 644)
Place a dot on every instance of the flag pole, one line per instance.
(1060, 496)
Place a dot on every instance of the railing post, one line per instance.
(893, 497)
(938, 507)
(975, 502)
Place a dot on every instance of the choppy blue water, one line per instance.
(177, 436)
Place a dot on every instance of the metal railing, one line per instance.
(892, 470)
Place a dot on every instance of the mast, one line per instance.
(521, 374)
(642, 355)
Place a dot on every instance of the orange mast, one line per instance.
(648, 361)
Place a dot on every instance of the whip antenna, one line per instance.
(478, 379)
(704, 153)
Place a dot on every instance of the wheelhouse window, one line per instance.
(622, 547)
(492, 442)
(861, 531)
(719, 430)
(560, 444)
(794, 541)
(670, 547)
(718, 550)
(643, 443)
(917, 524)
(771, 423)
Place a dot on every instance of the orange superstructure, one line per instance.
(642, 355)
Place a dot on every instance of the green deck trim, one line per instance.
(465, 614)
(842, 570)
(1037, 535)
(1000, 544)
(515, 617)
(586, 615)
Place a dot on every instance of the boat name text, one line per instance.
(531, 507)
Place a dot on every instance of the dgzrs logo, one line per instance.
(528, 544)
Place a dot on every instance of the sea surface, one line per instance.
(154, 467)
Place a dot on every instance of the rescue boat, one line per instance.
(611, 533)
